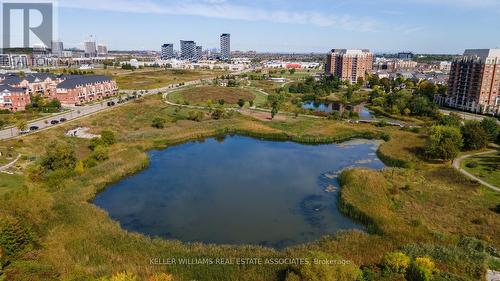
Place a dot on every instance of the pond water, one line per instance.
(364, 113)
(239, 190)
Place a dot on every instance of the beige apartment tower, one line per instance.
(348, 65)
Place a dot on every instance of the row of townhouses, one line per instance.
(15, 91)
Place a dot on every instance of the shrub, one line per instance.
(59, 155)
(161, 277)
(320, 272)
(158, 123)
(396, 262)
(472, 164)
(292, 276)
(108, 137)
(217, 113)
(14, 236)
(443, 143)
(474, 136)
(334, 115)
(241, 102)
(196, 116)
(386, 137)
(421, 269)
(100, 153)
(79, 168)
(121, 276)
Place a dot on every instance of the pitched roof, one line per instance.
(40, 76)
(78, 80)
(9, 88)
(11, 80)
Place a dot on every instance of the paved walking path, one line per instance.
(458, 161)
(7, 166)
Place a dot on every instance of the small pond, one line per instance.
(239, 190)
(364, 113)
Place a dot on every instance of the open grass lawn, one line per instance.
(265, 85)
(11, 118)
(487, 169)
(426, 209)
(157, 78)
(201, 95)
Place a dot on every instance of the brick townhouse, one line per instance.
(68, 89)
(85, 88)
(13, 98)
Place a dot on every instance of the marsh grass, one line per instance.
(78, 241)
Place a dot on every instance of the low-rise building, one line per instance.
(85, 88)
(13, 98)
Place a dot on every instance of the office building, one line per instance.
(167, 51)
(102, 50)
(406, 56)
(348, 65)
(90, 48)
(188, 50)
(57, 48)
(225, 46)
(474, 82)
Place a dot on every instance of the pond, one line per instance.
(239, 190)
(328, 107)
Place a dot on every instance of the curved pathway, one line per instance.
(7, 166)
(458, 161)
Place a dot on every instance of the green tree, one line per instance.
(59, 155)
(491, 128)
(241, 102)
(22, 125)
(443, 142)
(274, 110)
(158, 123)
(292, 71)
(222, 101)
(452, 120)
(474, 135)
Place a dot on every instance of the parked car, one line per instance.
(53, 122)
(62, 120)
(34, 128)
(111, 103)
(24, 132)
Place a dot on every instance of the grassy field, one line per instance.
(144, 79)
(426, 209)
(486, 167)
(202, 95)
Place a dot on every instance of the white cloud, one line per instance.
(222, 9)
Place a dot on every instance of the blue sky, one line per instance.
(424, 26)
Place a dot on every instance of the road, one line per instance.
(458, 161)
(465, 115)
(75, 112)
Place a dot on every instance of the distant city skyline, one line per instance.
(420, 26)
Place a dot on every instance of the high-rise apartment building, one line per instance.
(167, 51)
(199, 53)
(57, 48)
(348, 65)
(102, 50)
(188, 50)
(474, 82)
(225, 46)
(90, 48)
